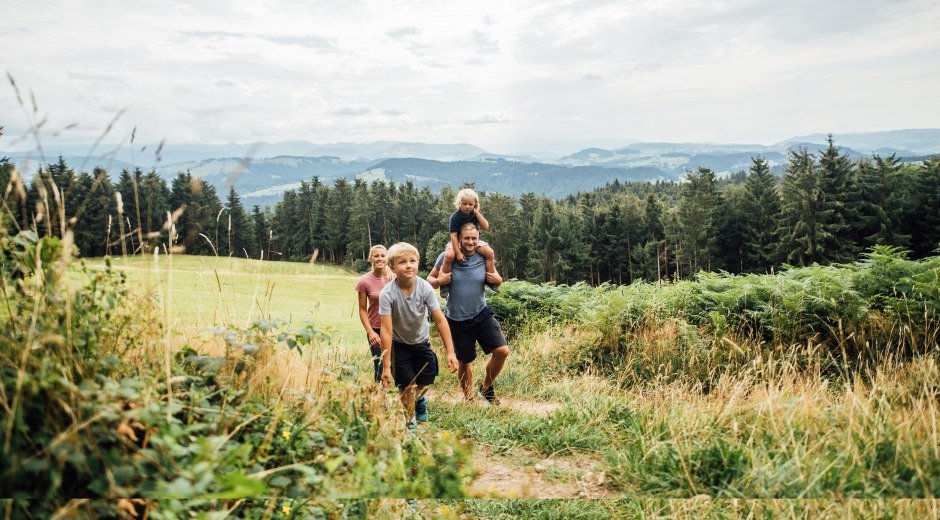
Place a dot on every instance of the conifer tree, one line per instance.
(240, 239)
(761, 210)
(731, 228)
(93, 194)
(840, 204)
(698, 209)
(649, 256)
(804, 213)
(501, 212)
(878, 222)
(927, 232)
(360, 224)
(154, 204)
(337, 211)
(128, 186)
(12, 200)
(262, 231)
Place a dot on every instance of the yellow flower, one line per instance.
(444, 434)
(285, 509)
(285, 434)
(444, 510)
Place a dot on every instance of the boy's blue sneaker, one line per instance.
(421, 409)
(493, 287)
(488, 395)
(445, 291)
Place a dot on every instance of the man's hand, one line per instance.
(452, 363)
(387, 377)
(444, 279)
(494, 278)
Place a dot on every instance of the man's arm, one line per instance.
(386, 350)
(436, 278)
(494, 278)
(444, 329)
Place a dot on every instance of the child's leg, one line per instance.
(489, 259)
(489, 256)
(449, 256)
(407, 397)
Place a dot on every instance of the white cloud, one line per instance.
(741, 70)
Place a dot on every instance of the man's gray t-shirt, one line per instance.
(466, 287)
(409, 313)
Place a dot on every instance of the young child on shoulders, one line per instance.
(404, 306)
(468, 210)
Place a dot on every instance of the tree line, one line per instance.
(824, 208)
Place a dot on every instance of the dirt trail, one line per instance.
(523, 473)
(540, 408)
(526, 474)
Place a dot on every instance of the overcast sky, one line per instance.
(507, 76)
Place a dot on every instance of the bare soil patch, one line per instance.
(526, 474)
(540, 408)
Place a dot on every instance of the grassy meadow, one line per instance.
(203, 291)
(816, 387)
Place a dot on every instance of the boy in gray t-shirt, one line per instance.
(404, 306)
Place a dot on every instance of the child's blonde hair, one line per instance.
(401, 249)
(465, 193)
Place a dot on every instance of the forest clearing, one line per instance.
(814, 383)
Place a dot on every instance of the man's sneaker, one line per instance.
(421, 409)
(445, 291)
(488, 395)
(493, 287)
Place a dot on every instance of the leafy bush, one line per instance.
(93, 409)
(696, 329)
(526, 306)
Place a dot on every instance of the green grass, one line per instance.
(764, 425)
(207, 291)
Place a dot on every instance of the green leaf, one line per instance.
(239, 485)
(279, 481)
(334, 463)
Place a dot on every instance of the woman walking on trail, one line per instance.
(368, 288)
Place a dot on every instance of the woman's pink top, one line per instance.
(371, 286)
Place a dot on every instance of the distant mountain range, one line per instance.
(261, 172)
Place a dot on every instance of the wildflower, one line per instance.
(444, 510)
(285, 509)
(444, 435)
(285, 434)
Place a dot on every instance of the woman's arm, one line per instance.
(387, 379)
(374, 339)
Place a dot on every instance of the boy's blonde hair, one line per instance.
(401, 249)
(465, 193)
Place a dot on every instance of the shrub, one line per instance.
(95, 410)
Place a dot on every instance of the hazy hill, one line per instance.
(175, 153)
(919, 141)
(263, 171)
(262, 174)
(510, 177)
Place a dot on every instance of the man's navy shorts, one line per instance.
(413, 364)
(482, 328)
